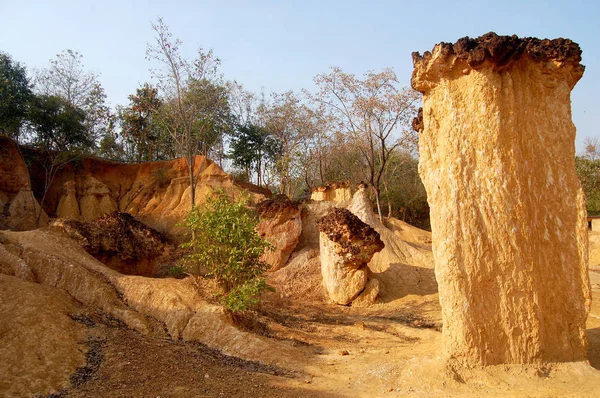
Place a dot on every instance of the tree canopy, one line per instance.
(15, 94)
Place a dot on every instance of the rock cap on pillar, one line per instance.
(347, 244)
(496, 52)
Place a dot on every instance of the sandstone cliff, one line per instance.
(335, 192)
(507, 210)
(157, 193)
(281, 225)
(18, 208)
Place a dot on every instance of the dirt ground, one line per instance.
(388, 349)
(385, 350)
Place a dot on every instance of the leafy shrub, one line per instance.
(226, 245)
(177, 271)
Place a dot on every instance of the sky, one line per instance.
(281, 45)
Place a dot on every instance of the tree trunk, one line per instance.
(387, 194)
(192, 181)
(378, 202)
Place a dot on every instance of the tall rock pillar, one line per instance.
(497, 157)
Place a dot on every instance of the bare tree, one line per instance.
(66, 78)
(374, 111)
(293, 124)
(592, 148)
(194, 98)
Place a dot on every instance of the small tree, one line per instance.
(194, 103)
(15, 93)
(227, 246)
(138, 126)
(58, 132)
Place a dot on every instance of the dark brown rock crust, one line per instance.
(417, 123)
(278, 205)
(502, 50)
(344, 228)
(118, 240)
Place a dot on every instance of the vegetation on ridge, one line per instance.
(226, 246)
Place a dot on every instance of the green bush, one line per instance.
(177, 271)
(226, 245)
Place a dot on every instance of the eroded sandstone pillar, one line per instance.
(496, 155)
(347, 245)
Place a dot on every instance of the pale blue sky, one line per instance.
(282, 45)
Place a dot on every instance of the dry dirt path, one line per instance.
(387, 350)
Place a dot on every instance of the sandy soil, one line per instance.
(385, 350)
(389, 349)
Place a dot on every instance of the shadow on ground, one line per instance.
(594, 347)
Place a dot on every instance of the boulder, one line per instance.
(347, 245)
(311, 212)
(369, 295)
(300, 279)
(496, 156)
(281, 224)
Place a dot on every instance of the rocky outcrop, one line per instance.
(347, 245)
(41, 344)
(280, 223)
(369, 294)
(311, 212)
(157, 193)
(94, 200)
(19, 210)
(334, 192)
(405, 265)
(300, 280)
(165, 308)
(117, 240)
(496, 155)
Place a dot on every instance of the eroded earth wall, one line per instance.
(497, 154)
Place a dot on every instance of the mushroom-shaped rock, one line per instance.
(496, 156)
(347, 245)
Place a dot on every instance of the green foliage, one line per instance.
(227, 246)
(253, 148)
(245, 296)
(588, 170)
(57, 125)
(15, 94)
(138, 125)
(177, 271)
